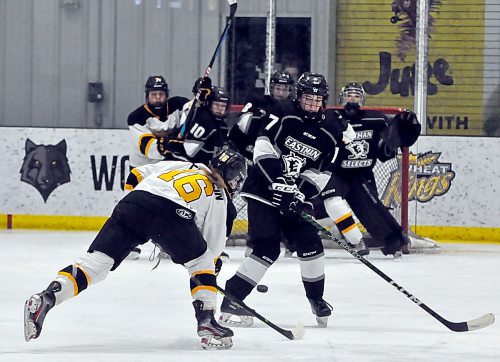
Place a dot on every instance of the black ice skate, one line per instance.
(322, 310)
(361, 248)
(36, 308)
(212, 334)
(233, 315)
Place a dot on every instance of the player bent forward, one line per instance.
(182, 207)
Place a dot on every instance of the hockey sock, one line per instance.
(312, 269)
(341, 214)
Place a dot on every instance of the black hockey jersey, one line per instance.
(205, 137)
(295, 148)
(360, 156)
(244, 133)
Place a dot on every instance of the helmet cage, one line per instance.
(313, 84)
(352, 88)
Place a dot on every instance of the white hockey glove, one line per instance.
(348, 135)
(156, 126)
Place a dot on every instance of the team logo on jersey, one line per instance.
(302, 149)
(292, 165)
(185, 214)
(358, 154)
(45, 167)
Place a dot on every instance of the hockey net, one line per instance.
(392, 178)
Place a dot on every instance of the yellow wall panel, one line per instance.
(366, 38)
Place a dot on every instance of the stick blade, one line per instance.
(472, 325)
(298, 331)
(481, 322)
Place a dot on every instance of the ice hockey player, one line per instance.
(244, 133)
(206, 133)
(181, 206)
(352, 175)
(158, 117)
(290, 156)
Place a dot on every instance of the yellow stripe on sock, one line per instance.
(342, 218)
(70, 277)
(87, 276)
(203, 287)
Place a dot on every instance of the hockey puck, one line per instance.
(262, 288)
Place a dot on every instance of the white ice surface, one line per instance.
(142, 315)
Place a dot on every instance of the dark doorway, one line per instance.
(245, 70)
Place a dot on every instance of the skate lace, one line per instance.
(322, 302)
(327, 304)
(152, 256)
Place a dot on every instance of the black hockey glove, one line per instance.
(167, 146)
(409, 128)
(204, 89)
(403, 131)
(286, 197)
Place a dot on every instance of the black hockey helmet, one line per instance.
(155, 83)
(219, 94)
(313, 84)
(196, 85)
(231, 166)
(281, 77)
(352, 88)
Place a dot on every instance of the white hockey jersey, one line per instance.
(144, 141)
(190, 186)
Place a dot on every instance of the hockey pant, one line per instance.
(265, 228)
(138, 217)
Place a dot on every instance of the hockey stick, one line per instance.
(470, 325)
(233, 6)
(296, 333)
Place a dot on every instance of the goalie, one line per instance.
(352, 175)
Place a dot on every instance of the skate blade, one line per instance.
(232, 320)
(30, 327)
(30, 331)
(322, 322)
(211, 342)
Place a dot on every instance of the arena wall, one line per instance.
(454, 190)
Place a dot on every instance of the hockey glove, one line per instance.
(285, 196)
(409, 128)
(204, 89)
(167, 146)
(403, 131)
(348, 135)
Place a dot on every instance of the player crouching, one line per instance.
(182, 207)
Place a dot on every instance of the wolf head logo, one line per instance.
(45, 167)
